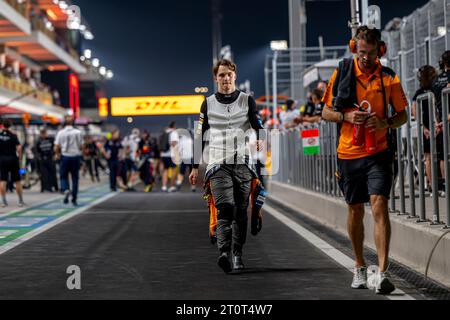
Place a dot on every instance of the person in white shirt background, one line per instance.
(287, 117)
(68, 145)
(187, 158)
(169, 151)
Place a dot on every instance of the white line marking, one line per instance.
(149, 211)
(26, 208)
(326, 248)
(42, 203)
(17, 242)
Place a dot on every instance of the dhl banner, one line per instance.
(156, 106)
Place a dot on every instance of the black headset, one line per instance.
(382, 46)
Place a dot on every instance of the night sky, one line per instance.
(165, 47)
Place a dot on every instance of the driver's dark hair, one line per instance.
(224, 62)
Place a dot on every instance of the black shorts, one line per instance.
(9, 169)
(361, 178)
(130, 165)
(439, 146)
(184, 167)
(168, 163)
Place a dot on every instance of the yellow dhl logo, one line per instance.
(148, 106)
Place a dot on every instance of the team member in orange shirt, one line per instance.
(366, 176)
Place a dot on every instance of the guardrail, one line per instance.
(417, 40)
(445, 112)
(313, 172)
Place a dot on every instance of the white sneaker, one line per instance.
(4, 204)
(173, 189)
(164, 189)
(441, 194)
(384, 285)
(360, 278)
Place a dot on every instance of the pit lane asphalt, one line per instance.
(156, 246)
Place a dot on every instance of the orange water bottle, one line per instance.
(358, 132)
(358, 135)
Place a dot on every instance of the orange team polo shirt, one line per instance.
(368, 88)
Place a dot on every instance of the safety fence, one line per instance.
(414, 41)
(313, 172)
(417, 40)
(285, 69)
(409, 193)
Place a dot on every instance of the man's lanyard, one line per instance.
(383, 90)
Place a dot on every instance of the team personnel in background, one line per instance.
(30, 161)
(147, 151)
(229, 172)
(365, 165)
(313, 109)
(322, 86)
(311, 112)
(187, 159)
(68, 145)
(287, 117)
(128, 166)
(91, 158)
(113, 152)
(46, 161)
(306, 111)
(168, 146)
(10, 153)
(131, 144)
(427, 75)
(441, 82)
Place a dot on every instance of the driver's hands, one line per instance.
(193, 177)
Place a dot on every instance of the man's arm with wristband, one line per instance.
(332, 116)
(354, 117)
(396, 121)
(357, 117)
